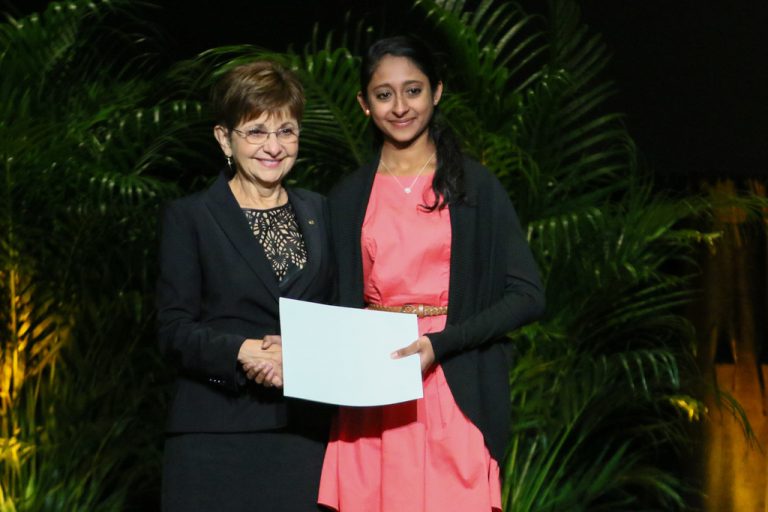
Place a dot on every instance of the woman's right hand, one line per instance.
(262, 360)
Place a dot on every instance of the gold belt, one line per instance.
(420, 310)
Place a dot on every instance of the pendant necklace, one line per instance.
(409, 188)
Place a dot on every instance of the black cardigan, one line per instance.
(494, 288)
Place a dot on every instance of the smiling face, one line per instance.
(267, 163)
(400, 100)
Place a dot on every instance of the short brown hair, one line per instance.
(247, 91)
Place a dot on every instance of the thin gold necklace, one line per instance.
(409, 188)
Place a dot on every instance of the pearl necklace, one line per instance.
(409, 188)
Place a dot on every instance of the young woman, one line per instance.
(422, 229)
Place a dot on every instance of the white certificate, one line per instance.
(342, 355)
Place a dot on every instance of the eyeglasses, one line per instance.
(284, 135)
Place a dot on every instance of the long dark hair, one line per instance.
(448, 183)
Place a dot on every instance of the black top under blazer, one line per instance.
(217, 288)
(494, 288)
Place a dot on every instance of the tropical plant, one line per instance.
(84, 136)
(599, 390)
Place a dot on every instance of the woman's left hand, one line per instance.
(423, 347)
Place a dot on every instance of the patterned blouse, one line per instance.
(278, 233)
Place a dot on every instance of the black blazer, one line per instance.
(494, 288)
(216, 288)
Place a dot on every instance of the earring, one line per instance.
(367, 112)
(229, 162)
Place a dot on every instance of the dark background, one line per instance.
(692, 75)
(693, 80)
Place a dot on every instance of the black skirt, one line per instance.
(271, 471)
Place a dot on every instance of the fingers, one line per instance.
(270, 340)
(264, 373)
(263, 377)
(255, 371)
(272, 378)
(411, 349)
(423, 347)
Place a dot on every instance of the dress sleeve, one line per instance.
(522, 301)
(196, 349)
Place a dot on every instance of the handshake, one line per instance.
(262, 360)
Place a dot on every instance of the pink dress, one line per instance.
(423, 455)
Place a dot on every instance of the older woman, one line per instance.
(227, 254)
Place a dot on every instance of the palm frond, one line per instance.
(334, 132)
(493, 53)
(547, 469)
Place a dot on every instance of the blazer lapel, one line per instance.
(228, 214)
(312, 230)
